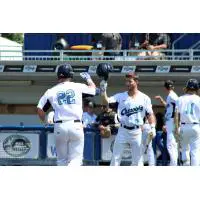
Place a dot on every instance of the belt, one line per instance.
(62, 121)
(189, 123)
(130, 128)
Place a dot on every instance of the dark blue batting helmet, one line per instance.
(65, 71)
(192, 84)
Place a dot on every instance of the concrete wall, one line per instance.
(15, 120)
(31, 94)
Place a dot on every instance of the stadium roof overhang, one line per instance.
(150, 72)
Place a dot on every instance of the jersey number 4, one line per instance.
(66, 97)
(190, 109)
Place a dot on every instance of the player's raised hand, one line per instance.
(85, 76)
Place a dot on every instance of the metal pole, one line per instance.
(61, 55)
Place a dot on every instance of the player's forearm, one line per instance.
(104, 98)
(41, 115)
(152, 122)
(152, 119)
(91, 83)
(162, 46)
(163, 102)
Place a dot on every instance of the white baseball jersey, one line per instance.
(66, 100)
(88, 119)
(132, 111)
(189, 108)
(171, 104)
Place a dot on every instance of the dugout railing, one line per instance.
(34, 146)
(85, 55)
(43, 64)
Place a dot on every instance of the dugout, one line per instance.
(23, 82)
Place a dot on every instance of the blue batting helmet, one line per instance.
(192, 84)
(65, 71)
(103, 70)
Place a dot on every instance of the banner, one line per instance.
(19, 145)
(51, 147)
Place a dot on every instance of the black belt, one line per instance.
(61, 121)
(190, 123)
(130, 128)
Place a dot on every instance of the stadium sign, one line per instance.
(1, 68)
(92, 69)
(19, 145)
(162, 69)
(51, 147)
(16, 145)
(127, 69)
(30, 68)
(195, 69)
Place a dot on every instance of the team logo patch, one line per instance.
(16, 145)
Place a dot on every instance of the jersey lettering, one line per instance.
(131, 111)
(66, 97)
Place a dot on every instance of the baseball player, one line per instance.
(188, 118)
(146, 130)
(170, 104)
(66, 100)
(133, 106)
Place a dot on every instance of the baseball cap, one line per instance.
(132, 75)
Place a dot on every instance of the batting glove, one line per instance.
(103, 86)
(86, 76)
(153, 130)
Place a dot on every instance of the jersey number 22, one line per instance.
(66, 97)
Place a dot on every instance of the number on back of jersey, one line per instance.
(190, 109)
(66, 97)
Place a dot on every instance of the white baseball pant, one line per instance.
(185, 155)
(190, 135)
(172, 145)
(150, 152)
(124, 137)
(69, 140)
